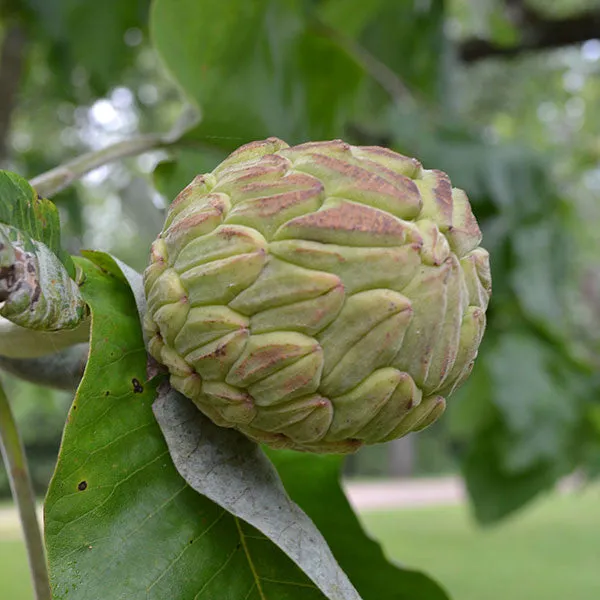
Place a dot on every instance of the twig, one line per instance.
(538, 33)
(61, 371)
(20, 484)
(21, 342)
(50, 183)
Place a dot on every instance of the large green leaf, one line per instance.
(400, 43)
(534, 432)
(255, 69)
(120, 522)
(313, 482)
(539, 273)
(495, 492)
(538, 411)
(406, 36)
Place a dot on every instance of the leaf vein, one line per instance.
(249, 558)
(216, 573)
(114, 488)
(179, 556)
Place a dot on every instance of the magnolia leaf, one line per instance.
(264, 70)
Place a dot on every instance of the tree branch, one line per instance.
(11, 67)
(50, 183)
(538, 33)
(20, 485)
(61, 371)
(53, 181)
(21, 342)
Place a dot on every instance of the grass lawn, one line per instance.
(14, 572)
(550, 552)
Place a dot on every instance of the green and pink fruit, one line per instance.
(318, 297)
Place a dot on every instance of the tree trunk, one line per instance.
(402, 456)
(12, 54)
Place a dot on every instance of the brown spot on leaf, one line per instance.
(37, 292)
(82, 485)
(7, 276)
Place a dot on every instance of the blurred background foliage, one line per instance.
(500, 94)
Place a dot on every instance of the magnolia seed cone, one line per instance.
(318, 297)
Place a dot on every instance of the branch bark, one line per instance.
(538, 33)
(12, 53)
